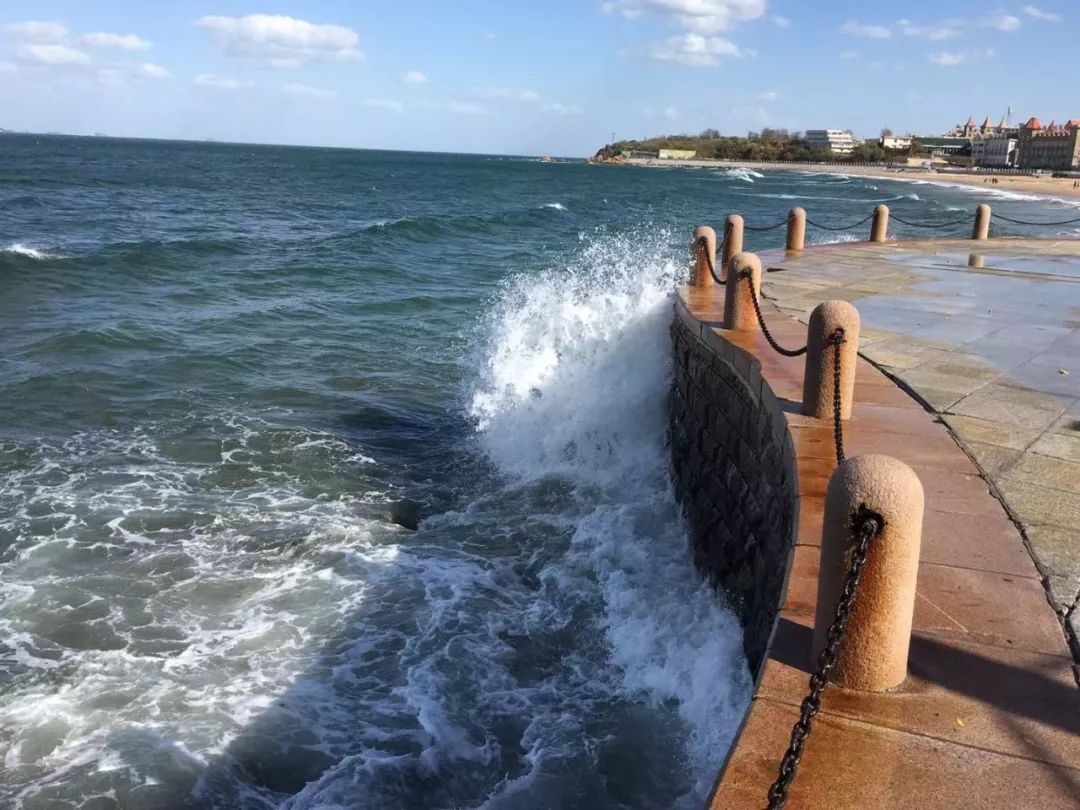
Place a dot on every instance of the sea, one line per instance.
(229, 373)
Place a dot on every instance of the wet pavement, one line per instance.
(989, 715)
(987, 334)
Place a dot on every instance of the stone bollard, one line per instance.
(796, 229)
(738, 306)
(818, 379)
(733, 237)
(879, 229)
(874, 651)
(982, 222)
(704, 253)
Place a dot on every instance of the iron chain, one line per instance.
(954, 223)
(765, 329)
(837, 338)
(841, 228)
(866, 526)
(763, 228)
(1024, 222)
(703, 246)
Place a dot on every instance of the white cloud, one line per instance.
(414, 77)
(507, 93)
(38, 30)
(384, 104)
(152, 71)
(125, 42)
(283, 41)
(562, 109)
(1002, 21)
(454, 107)
(1038, 14)
(768, 95)
(849, 54)
(954, 58)
(458, 107)
(297, 89)
(695, 50)
(700, 16)
(779, 22)
(43, 54)
(947, 29)
(219, 82)
(670, 113)
(857, 29)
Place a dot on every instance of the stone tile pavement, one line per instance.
(990, 713)
(987, 334)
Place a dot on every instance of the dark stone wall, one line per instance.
(734, 469)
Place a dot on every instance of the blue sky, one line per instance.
(556, 77)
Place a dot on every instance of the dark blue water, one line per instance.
(221, 367)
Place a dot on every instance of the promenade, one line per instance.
(969, 372)
(988, 337)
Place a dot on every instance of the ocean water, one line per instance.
(220, 367)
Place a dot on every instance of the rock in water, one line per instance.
(405, 512)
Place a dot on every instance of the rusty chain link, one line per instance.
(866, 525)
(837, 338)
(765, 329)
(703, 246)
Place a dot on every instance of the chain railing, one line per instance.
(763, 228)
(703, 246)
(765, 328)
(824, 227)
(837, 339)
(866, 525)
(1004, 218)
(961, 221)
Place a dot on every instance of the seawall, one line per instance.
(734, 469)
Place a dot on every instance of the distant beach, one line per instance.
(1045, 186)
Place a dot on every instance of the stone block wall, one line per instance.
(734, 469)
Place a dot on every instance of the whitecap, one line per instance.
(19, 249)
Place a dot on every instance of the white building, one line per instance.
(996, 151)
(898, 142)
(838, 141)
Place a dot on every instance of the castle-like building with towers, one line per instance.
(1030, 145)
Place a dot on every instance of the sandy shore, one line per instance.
(1061, 187)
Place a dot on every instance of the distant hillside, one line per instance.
(769, 145)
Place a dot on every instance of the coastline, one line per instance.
(1043, 187)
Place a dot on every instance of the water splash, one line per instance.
(575, 387)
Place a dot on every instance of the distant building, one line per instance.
(677, 154)
(837, 141)
(897, 142)
(986, 128)
(945, 147)
(994, 151)
(1054, 147)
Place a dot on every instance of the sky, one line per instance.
(559, 77)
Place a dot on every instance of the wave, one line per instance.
(990, 191)
(556, 206)
(746, 175)
(19, 249)
(574, 386)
